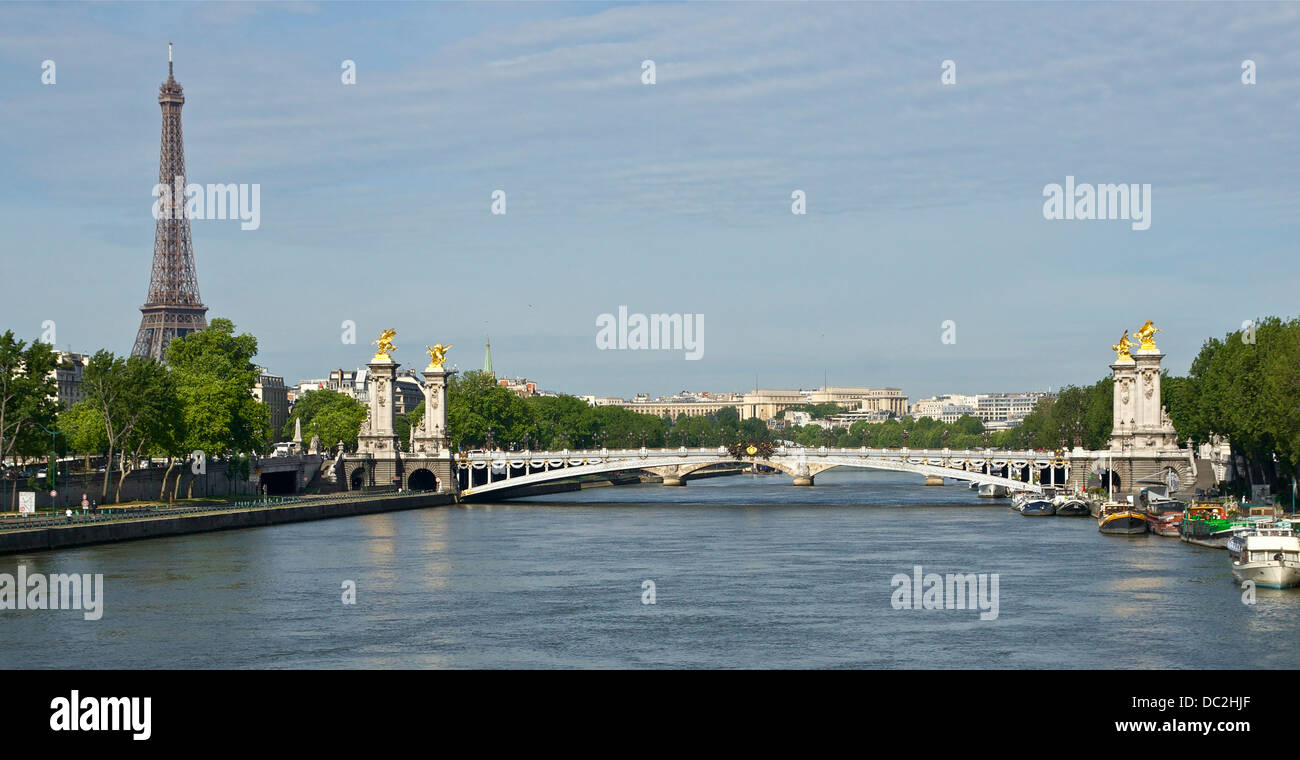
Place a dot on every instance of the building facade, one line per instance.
(684, 404)
(68, 373)
(270, 390)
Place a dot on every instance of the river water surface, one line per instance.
(747, 572)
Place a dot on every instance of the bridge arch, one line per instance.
(1103, 478)
(423, 480)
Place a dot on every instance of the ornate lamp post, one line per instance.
(489, 439)
(53, 470)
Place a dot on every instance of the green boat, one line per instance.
(1208, 525)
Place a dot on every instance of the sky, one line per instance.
(923, 260)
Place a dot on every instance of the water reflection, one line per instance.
(750, 572)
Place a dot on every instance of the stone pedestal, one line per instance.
(672, 480)
(933, 480)
(803, 480)
(378, 436)
(1123, 409)
(430, 437)
(430, 453)
(1140, 423)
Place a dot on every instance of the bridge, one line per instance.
(480, 473)
(1143, 448)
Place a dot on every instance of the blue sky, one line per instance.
(924, 200)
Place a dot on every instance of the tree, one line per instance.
(331, 415)
(83, 428)
(476, 403)
(27, 390)
(562, 414)
(215, 376)
(1245, 386)
(154, 392)
(131, 397)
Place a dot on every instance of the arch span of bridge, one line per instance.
(481, 473)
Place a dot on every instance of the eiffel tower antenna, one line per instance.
(172, 307)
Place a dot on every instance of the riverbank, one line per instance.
(156, 525)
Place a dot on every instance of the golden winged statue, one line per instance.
(437, 355)
(1147, 333)
(385, 344)
(1121, 349)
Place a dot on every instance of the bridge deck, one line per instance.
(496, 471)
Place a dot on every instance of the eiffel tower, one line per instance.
(173, 307)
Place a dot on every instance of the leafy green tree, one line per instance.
(131, 397)
(1099, 418)
(83, 428)
(331, 415)
(215, 376)
(160, 423)
(617, 427)
(1244, 386)
(567, 414)
(475, 404)
(26, 388)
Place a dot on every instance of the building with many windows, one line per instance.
(270, 390)
(520, 386)
(684, 404)
(68, 373)
(407, 389)
(1003, 410)
(998, 411)
(861, 398)
(947, 408)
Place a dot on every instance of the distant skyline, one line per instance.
(925, 201)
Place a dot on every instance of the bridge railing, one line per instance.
(569, 455)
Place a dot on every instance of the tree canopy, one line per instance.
(331, 415)
(26, 391)
(215, 375)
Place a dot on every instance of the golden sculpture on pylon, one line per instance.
(437, 355)
(1121, 349)
(1147, 334)
(385, 344)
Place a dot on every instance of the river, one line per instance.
(747, 572)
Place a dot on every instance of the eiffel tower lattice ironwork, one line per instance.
(173, 307)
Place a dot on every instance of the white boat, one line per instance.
(991, 491)
(1238, 540)
(1270, 557)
